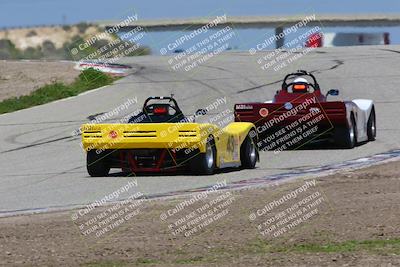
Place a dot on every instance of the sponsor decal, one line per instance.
(113, 134)
(241, 106)
(263, 112)
(288, 106)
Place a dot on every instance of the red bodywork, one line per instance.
(268, 116)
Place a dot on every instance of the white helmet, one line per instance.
(300, 80)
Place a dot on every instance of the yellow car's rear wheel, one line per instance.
(97, 163)
(204, 163)
(248, 153)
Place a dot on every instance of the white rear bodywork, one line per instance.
(348, 39)
(361, 108)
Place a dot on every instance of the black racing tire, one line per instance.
(204, 163)
(346, 137)
(97, 164)
(371, 126)
(248, 153)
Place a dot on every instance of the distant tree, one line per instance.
(5, 54)
(82, 27)
(8, 49)
(32, 53)
(66, 28)
(49, 50)
(31, 33)
(6, 44)
(48, 47)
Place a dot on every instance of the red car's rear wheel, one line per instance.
(371, 126)
(346, 137)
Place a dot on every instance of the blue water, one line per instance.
(244, 39)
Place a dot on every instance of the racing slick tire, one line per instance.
(248, 154)
(97, 164)
(204, 163)
(346, 137)
(371, 126)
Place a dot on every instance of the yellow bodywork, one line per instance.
(178, 136)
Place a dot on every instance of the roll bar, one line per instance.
(170, 98)
(300, 73)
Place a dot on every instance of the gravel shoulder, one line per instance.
(22, 77)
(355, 224)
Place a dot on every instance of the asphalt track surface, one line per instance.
(43, 166)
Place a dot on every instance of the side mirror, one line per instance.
(200, 112)
(334, 92)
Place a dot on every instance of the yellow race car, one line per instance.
(161, 139)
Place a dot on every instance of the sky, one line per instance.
(20, 13)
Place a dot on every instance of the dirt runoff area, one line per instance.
(348, 219)
(22, 77)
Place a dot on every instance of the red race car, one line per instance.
(300, 114)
